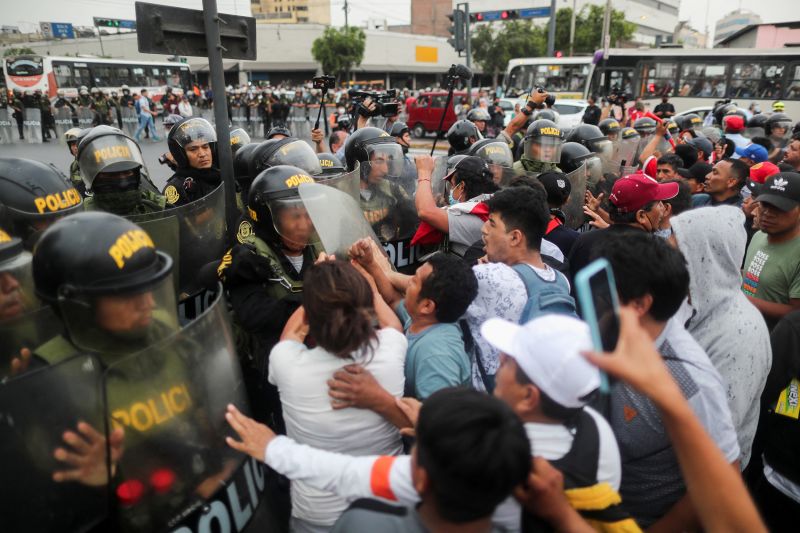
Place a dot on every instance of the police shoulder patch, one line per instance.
(245, 232)
(172, 195)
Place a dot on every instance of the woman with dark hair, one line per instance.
(339, 313)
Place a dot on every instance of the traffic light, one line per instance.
(458, 31)
(106, 23)
(509, 14)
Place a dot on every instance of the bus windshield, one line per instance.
(25, 66)
(554, 78)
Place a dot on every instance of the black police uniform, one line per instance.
(189, 184)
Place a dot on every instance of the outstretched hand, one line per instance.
(85, 454)
(254, 436)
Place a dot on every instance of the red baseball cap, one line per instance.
(761, 171)
(650, 167)
(633, 192)
(733, 123)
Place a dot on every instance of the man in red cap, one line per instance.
(636, 204)
(734, 126)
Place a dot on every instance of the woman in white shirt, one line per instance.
(338, 313)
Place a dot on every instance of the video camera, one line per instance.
(324, 82)
(386, 104)
(616, 97)
(549, 99)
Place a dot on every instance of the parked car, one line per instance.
(570, 112)
(424, 114)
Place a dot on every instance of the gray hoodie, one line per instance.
(728, 327)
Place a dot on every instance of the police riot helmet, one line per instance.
(672, 128)
(645, 126)
(272, 190)
(242, 161)
(573, 155)
(105, 149)
(722, 109)
(399, 129)
(83, 90)
(779, 120)
(287, 151)
(609, 127)
(756, 125)
(690, 121)
(493, 151)
(72, 135)
(33, 195)
(188, 131)
(543, 141)
(331, 166)
(546, 114)
(592, 137)
(239, 138)
(344, 121)
(125, 88)
(16, 278)
(478, 114)
(94, 90)
(361, 143)
(278, 130)
(460, 133)
(83, 258)
(172, 119)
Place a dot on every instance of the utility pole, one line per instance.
(551, 34)
(346, 9)
(572, 30)
(606, 30)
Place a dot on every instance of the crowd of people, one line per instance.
(457, 387)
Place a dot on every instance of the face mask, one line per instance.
(119, 203)
(452, 199)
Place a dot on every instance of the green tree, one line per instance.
(337, 50)
(24, 51)
(493, 46)
(589, 29)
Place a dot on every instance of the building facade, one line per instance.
(733, 22)
(291, 11)
(429, 17)
(778, 35)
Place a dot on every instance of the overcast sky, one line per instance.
(80, 12)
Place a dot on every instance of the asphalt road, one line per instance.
(57, 154)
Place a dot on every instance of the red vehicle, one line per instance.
(424, 114)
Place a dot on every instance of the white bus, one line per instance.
(692, 78)
(49, 74)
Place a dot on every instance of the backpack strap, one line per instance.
(474, 351)
(543, 296)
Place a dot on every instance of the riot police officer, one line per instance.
(33, 196)
(101, 106)
(193, 145)
(73, 137)
(239, 138)
(595, 141)
(114, 173)
(610, 128)
(498, 156)
(126, 100)
(15, 102)
(263, 272)
(385, 203)
(756, 126)
(778, 128)
(402, 134)
(47, 120)
(542, 147)
(461, 135)
(331, 166)
(479, 117)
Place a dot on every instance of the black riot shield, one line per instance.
(63, 121)
(171, 400)
(336, 215)
(32, 125)
(85, 117)
(37, 409)
(7, 126)
(130, 122)
(199, 227)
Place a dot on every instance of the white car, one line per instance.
(570, 112)
(699, 111)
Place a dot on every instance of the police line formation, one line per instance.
(143, 351)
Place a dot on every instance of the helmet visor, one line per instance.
(193, 130)
(594, 171)
(754, 131)
(626, 151)
(120, 323)
(16, 287)
(110, 154)
(546, 149)
(781, 129)
(293, 223)
(497, 153)
(697, 124)
(385, 161)
(296, 153)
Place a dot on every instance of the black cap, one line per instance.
(557, 187)
(699, 171)
(470, 165)
(781, 190)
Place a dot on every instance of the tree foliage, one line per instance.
(337, 50)
(494, 45)
(24, 51)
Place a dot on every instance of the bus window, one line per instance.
(122, 76)
(63, 74)
(137, 77)
(519, 81)
(101, 74)
(701, 79)
(157, 77)
(658, 79)
(756, 80)
(186, 80)
(81, 75)
(607, 80)
(173, 80)
(25, 66)
(793, 90)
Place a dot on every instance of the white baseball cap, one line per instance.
(548, 349)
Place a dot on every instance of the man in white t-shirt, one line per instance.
(652, 277)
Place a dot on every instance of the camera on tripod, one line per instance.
(324, 82)
(386, 104)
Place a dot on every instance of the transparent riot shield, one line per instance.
(32, 125)
(349, 183)
(627, 171)
(29, 330)
(200, 236)
(336, 215)
(239, 117)
(439, 186)
(298, 123)
(63, 121)
(256, 125)
(208, 114)
(37, 409)
(573, 209)
(130, 122)
(626, 150)
(85, 117)
(171, 399)
(7, 126)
